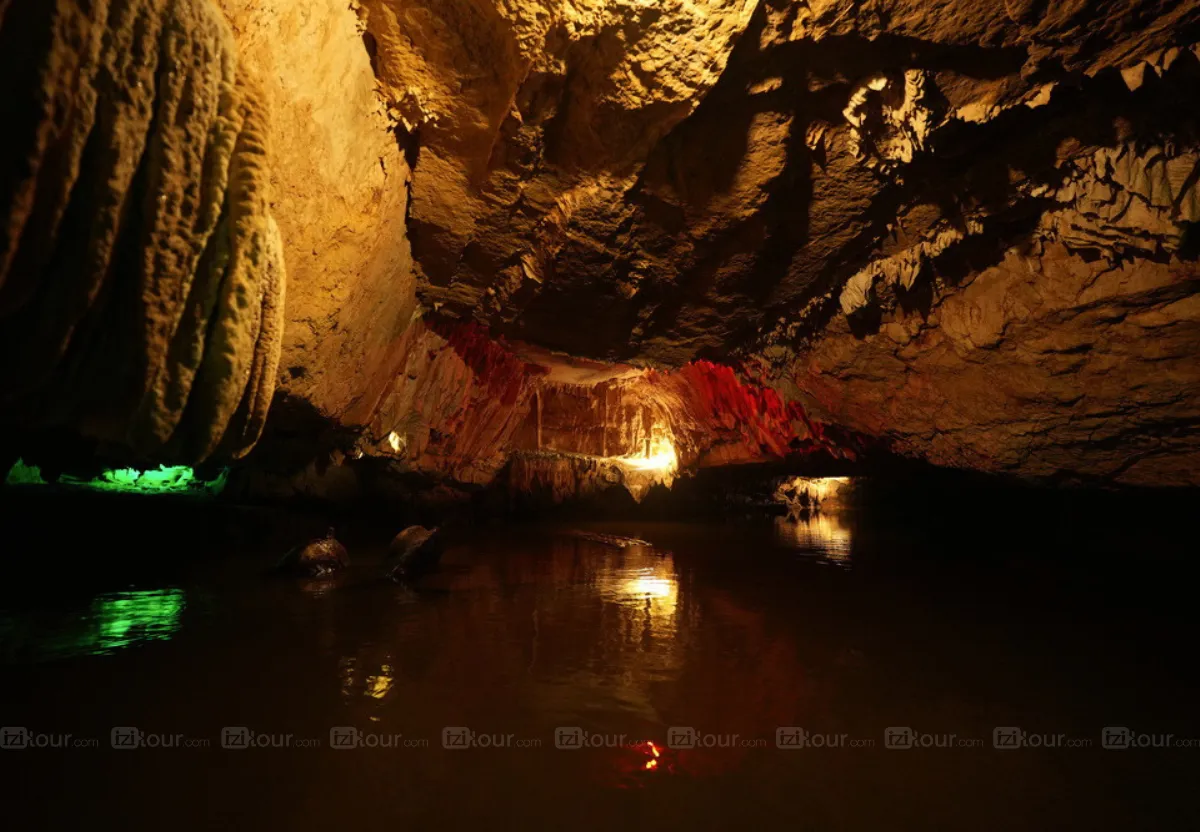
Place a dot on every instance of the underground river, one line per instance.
(868, 669)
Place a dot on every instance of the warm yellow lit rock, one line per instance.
(143, 279)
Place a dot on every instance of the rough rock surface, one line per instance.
(737, 229)
(1044, 366)
(141, 276)
(461, 405)
(770, 183)
(664, 181)
(339, 193)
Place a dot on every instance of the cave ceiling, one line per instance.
(657, 182)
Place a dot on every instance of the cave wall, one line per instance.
(964, 231)
(689, 179)
(340, 184)
(472, 233)
(1046, 365)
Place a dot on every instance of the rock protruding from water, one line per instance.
(416, 550)
(316, 559)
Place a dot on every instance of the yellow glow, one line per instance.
(393, 440)
(822, 534)
(648, 586)
(654, 591)
(658, 462)
(378, 686)
(662, 457)
(822, 487)
(799, 493)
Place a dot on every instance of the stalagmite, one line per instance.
(139, 253)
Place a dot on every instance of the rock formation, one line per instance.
(695, 232)
(141, 273)
(931, 224)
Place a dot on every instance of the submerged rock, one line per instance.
(319, 557)
(416, 550)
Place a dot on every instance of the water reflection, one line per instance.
(819, 533)
(380, 683)
(112, 621)
(526, 631)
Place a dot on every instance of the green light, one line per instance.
(124, 618)
(22, 474)
(172, 479)
(112, 621)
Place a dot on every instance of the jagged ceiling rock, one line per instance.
(1045, 365)
(660, 181)
(967, 230)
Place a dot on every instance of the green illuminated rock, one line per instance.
(173, 479)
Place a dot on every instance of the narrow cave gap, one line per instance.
(1189, 249)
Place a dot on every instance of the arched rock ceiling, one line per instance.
(654, 181)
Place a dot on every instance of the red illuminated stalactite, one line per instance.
(720, 408)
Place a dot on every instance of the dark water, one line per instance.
(838, 633)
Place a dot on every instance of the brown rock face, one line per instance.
(339, 185)
(905, 209)
(671, 180)
(1046, 366)
(141, 271)
(743, 229)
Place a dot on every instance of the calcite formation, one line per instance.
(141, 273)
(875, 204)
(570, 241)
(462, 406)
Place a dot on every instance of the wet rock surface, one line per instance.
(414, 552)
(316, 559)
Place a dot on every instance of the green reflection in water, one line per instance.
(167, 479)
(110, 622)
(124, 618)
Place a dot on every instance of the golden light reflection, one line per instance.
(377, 686)
(655, 594)
(650, 587)
(821, 533)
(652, 763)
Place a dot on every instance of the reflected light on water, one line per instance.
(655, 590)
(650, 587)
(379, 684)
(820, 533)
(124, 618)
(111, 622)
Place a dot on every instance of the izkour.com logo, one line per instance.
(1120, 739)
(14, 738)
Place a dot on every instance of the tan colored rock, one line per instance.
(52, 291)
(1095, 381)
(187, 167)
(139, 230)
(339, 194)
(233, 336)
